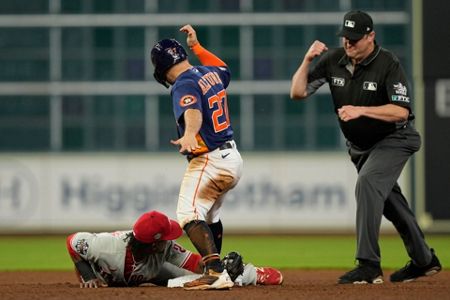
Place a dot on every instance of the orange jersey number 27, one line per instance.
(219, 101)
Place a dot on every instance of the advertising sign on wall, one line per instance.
(277, 192)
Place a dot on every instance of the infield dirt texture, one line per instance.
(298, 284)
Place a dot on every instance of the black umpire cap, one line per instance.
(356, 24)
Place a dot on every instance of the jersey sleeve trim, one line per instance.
(72, 252)
(191, 262)
(314, 85)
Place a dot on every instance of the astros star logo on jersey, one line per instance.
(187, 100)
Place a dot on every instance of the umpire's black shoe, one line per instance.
(365, 272)
(411, 271)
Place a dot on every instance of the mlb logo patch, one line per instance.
(187, 100)
(370, 86)
(349, 23)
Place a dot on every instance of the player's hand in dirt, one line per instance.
(93, 283)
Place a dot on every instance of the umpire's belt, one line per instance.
(227, 145)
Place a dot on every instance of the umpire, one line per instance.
(373, 104)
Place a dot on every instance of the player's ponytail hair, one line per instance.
(133, 243)
(141, 250)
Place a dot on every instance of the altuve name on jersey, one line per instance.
(208, 80)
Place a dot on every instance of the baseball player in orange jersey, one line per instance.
(147, 254)
(206, 138)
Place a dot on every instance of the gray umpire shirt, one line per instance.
(377, 80)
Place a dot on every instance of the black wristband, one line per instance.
(85, 270)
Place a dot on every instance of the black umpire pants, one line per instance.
(378, 193)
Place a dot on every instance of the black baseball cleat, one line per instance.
(411, 271)
(365, 272)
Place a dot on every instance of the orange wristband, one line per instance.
(197, 48)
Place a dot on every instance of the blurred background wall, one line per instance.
(78, 106)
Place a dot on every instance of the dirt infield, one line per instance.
(298, 284)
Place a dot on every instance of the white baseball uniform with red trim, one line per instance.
(113, 263)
